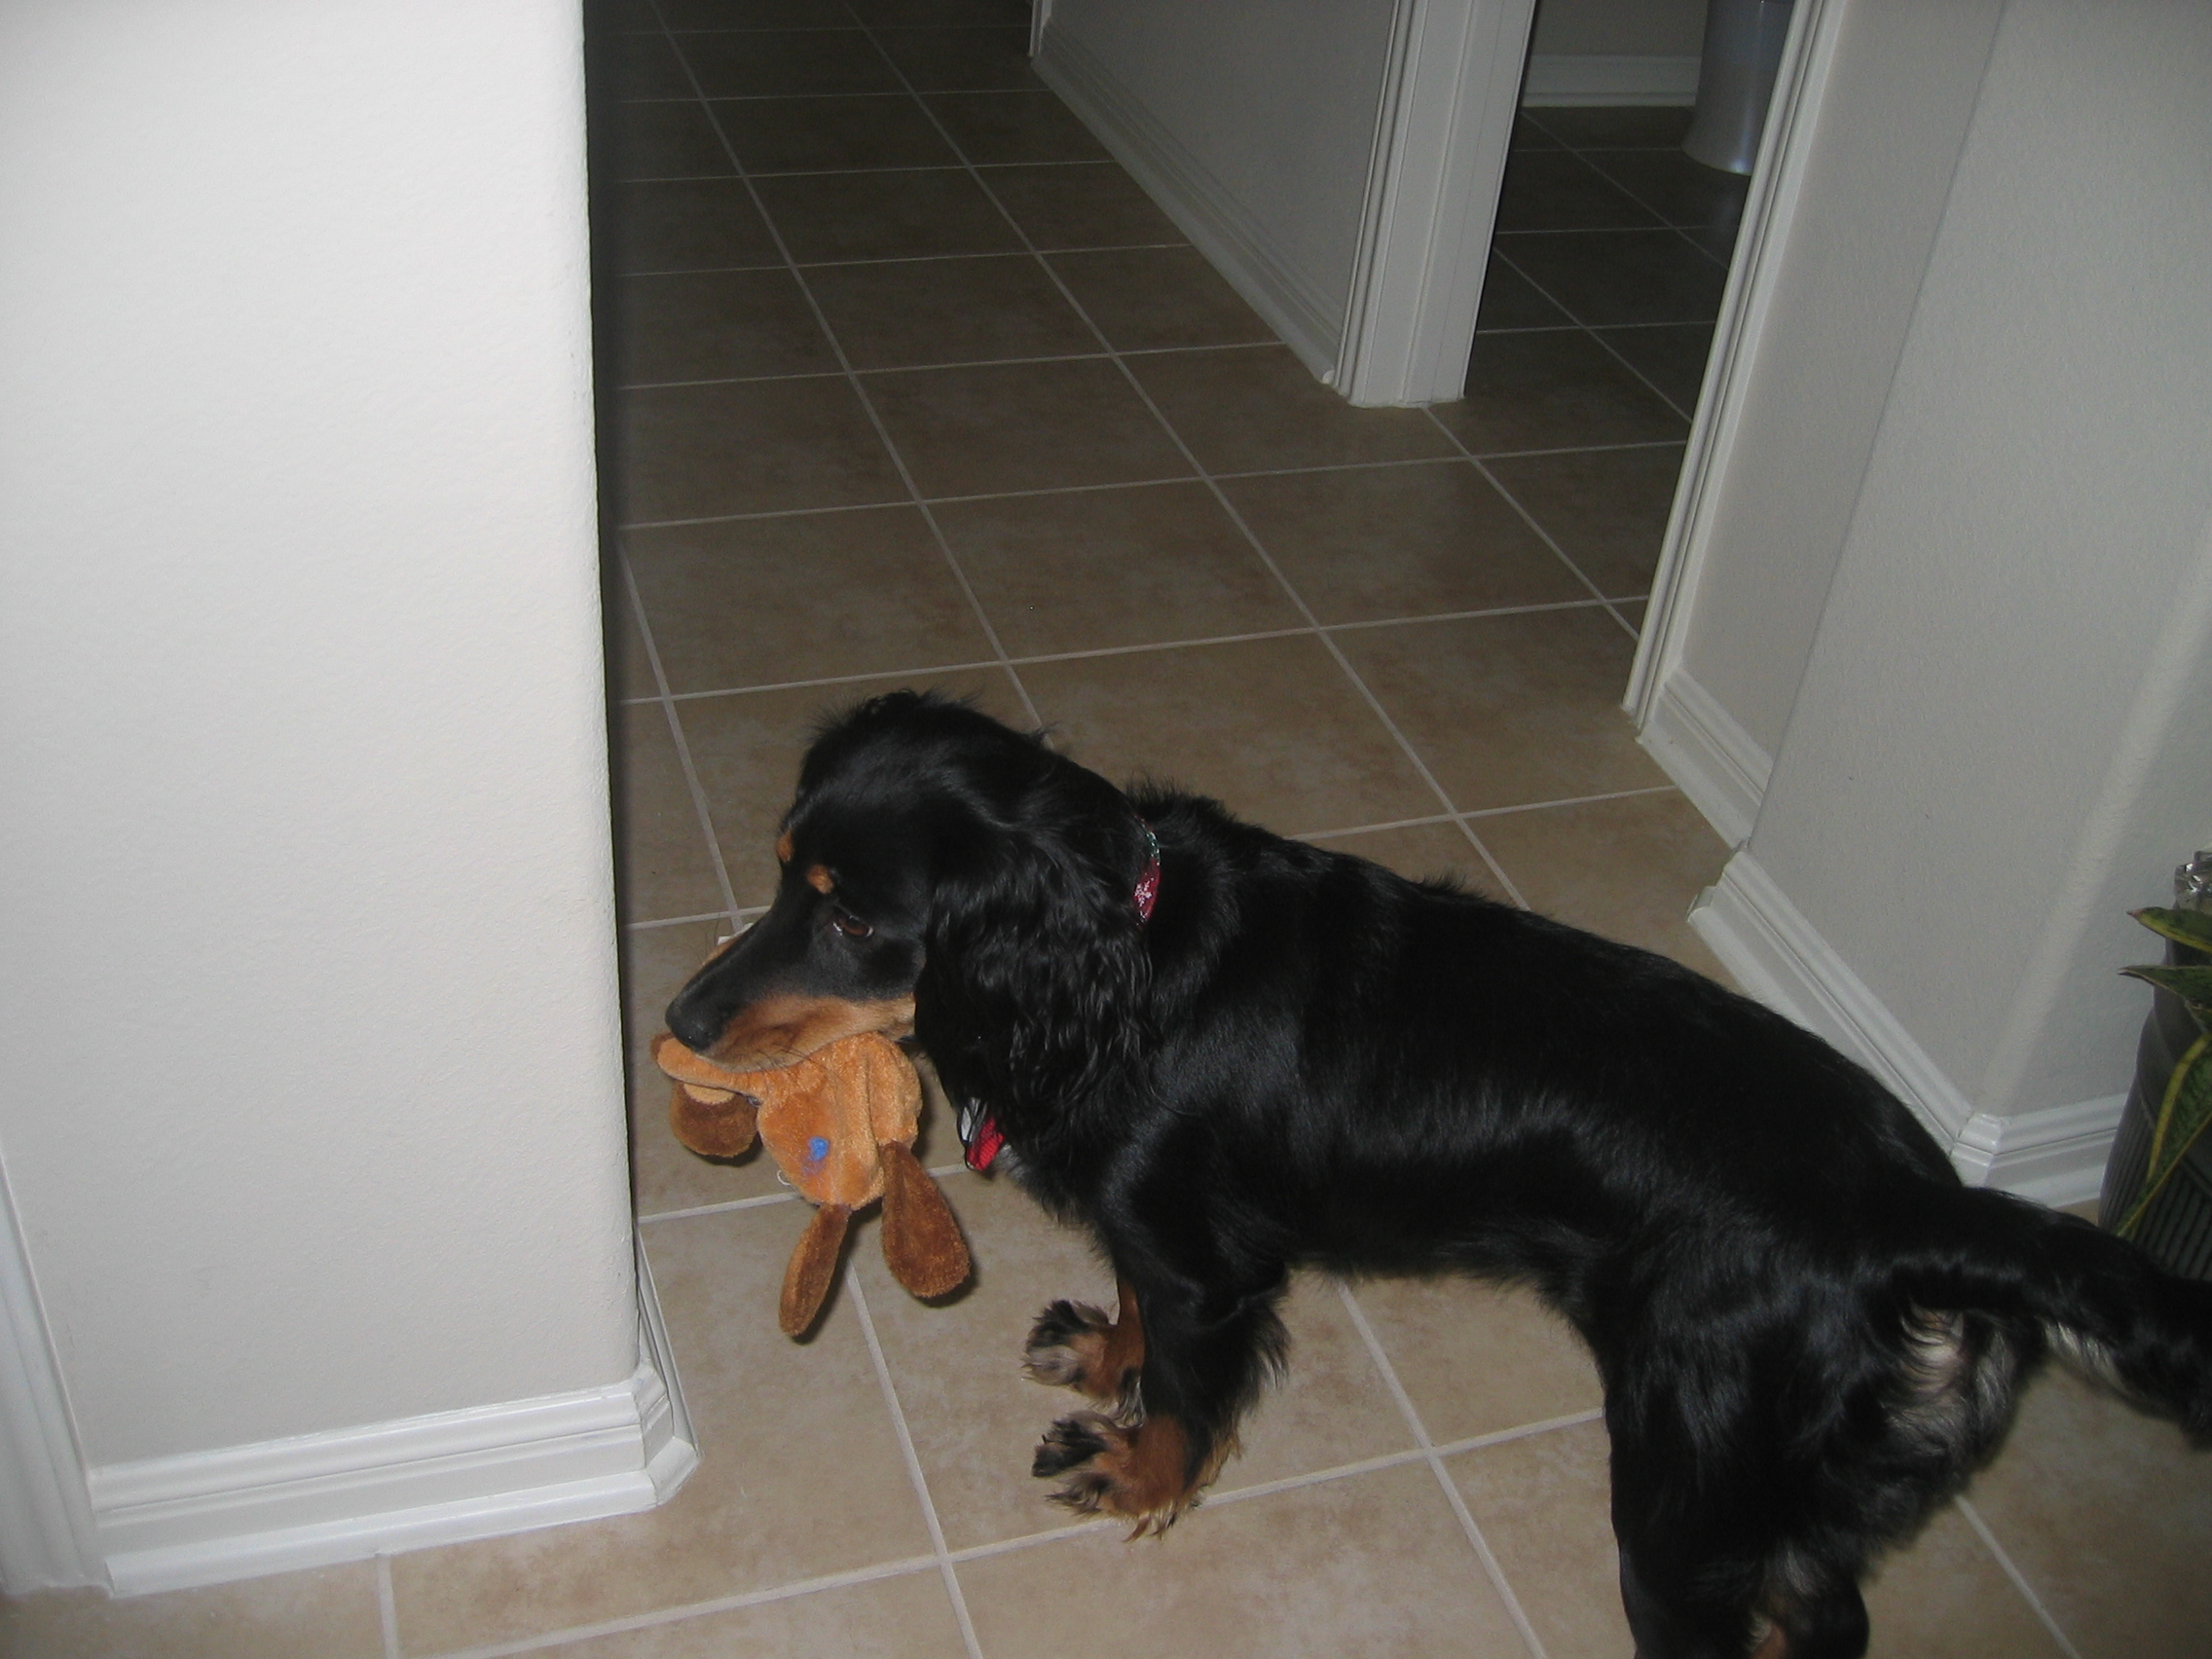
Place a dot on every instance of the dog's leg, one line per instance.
(1075, 1346)
(1668, 1623)
(1205, 1354)
(1828, 1626)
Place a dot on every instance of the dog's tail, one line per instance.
(2052, 1279)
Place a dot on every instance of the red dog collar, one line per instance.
(980, 1135)
(1148, 882)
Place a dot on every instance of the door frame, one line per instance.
(1443, 132)
(1755, 279)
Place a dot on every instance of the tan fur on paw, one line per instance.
(1138, 1472)
(1076, 1345)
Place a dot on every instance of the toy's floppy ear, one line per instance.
(705, 1114)
(813, 1264)
(921, 1241)
(713, 1123)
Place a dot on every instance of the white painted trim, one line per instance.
(1202, 208)
(1712, 760)
(1563, 79)
(1770, 209)
(48, 1540)
(1778, 958)
(2055, 1154)
(239, 1511)
(1442, 136)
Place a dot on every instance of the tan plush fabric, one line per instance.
(840, 1124)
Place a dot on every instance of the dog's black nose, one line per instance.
(693, 1021)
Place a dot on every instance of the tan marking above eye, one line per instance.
(784, 847)
(820, 879)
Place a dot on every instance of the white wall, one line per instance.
(1253, 121)
(1614, 52)
(1961, 804)
(311, 1106)
(1663, 28)
(1889, 132)
(1999, 739)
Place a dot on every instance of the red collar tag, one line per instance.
(986, 1146)
(979, 1136)
(1148, 883)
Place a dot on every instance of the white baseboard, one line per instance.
(1202, 208)
(1570, 80)
(2055, 1155)
(1712, 759)
(241, 1511)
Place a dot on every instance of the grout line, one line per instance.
(1600, 603)
(1594, 331)
(676, 731)
(764, 513)
(1371, 828)
(696, 1609)
(1290, 1483)
(835, 680)
(759, 1200)
(1464, 458)
(668, 921)
(387, 1607)
(1570, 800)
(1486, 812)
(2019, 1579)
(1435, 1460)
(762, 1201)
(951, 363)
(923, 258)
(913, 1461)
(914, 494)
(1687, 231)
(1031, 1541)
(1510, 887)
(992, 253)
(1528, 518)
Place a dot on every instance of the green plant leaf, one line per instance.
(2183, 1116)
(2192, 928)
(2193, 985)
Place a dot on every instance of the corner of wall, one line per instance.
(1712, 758)
(314, 1500)
(2055, 1155)
(1202, 208)
(47, 1538)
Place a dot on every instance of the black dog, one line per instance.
(1226, 1053)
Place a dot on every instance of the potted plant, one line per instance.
(2159, 1183)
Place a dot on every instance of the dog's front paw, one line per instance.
(1066, 1345)
(1139, 1472)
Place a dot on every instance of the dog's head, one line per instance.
(944, 876)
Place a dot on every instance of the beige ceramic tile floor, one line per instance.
(915, 388)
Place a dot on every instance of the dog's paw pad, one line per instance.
(1067, 1341)
(1072, 1441)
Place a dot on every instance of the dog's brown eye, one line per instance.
(850, 924)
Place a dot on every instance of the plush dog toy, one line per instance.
(841, 1125)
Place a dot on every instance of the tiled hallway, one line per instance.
(917, 389)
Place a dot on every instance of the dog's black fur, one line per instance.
(1808, 1331)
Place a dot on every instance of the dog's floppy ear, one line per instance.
(1036, 970)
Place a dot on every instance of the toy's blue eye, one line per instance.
(818, 1149)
